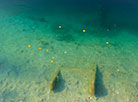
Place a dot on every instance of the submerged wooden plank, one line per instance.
(54, 80)
(91, 83)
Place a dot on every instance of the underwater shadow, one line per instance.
(60, 85)
(100, 90)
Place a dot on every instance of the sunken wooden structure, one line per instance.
(54, 80)
(91, 81)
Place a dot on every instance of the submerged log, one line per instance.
(91, 83)
(54, 80)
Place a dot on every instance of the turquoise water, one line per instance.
(33, 47)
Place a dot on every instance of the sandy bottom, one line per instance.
(25, 72)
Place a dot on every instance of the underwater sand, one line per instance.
(25, 71)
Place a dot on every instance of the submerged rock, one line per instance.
(43, 43)
(64, 37)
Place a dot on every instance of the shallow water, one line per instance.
(33, 48)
